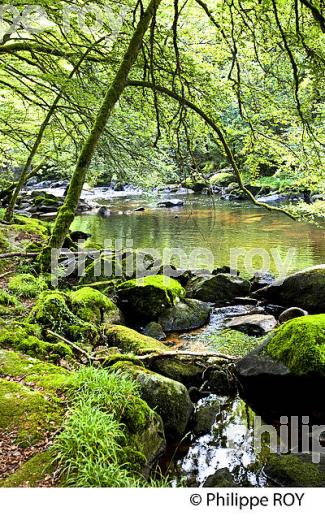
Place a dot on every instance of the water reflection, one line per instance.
(208, 223)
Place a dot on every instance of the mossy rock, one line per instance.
(295, 471)
(170, 399)
(305, 289)
(300, 345)
(52, 312)
(30, 226)
(27, 338)
(185, 371)
(184, 316)
(32, 472)
(220, 288)
(93, 306)
(145, 438)
(222, 178)
(146, 298)
(50, 378)
(130, 341)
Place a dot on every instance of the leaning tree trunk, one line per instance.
(67, 211)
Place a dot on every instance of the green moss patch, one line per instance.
(27, 411)
(26, 285)
(300, 345)
(30, 370)
(32, 472)
(130, 341)
(27, 338)
(232, 342)
(52, 312)
(295, 471)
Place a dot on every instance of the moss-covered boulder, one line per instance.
(170, 399)
(304, 289)
(52, 312)
(291, 361)
(185, 315)
(295, 471)
(130, 341)
(93, 306)
(300, 345)
(184, 370)
(221, 288)
(146, 298)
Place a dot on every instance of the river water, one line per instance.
(220, 227)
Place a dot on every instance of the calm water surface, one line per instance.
(206, 222)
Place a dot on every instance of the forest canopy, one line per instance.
(255, 67)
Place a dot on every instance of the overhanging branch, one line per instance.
(210, 122)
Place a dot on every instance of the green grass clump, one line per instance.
(26, 285)
(300, 345)
(90, 450)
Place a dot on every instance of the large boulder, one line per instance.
(285, 375)
(253, 324)
(144, 299)
(220, 288)
(185, 315)
(170, 399)
(305, 289)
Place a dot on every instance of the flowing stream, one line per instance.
(219, 226)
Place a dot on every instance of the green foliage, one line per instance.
(90, 448)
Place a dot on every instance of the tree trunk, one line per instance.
(67, 211)
(25, 174)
